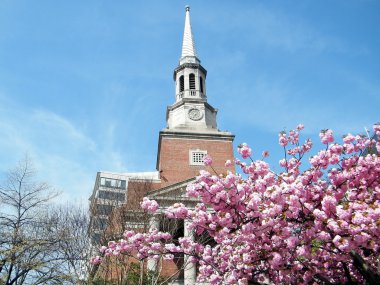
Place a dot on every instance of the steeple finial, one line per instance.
(188, 46)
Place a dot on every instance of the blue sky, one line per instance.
(84, 85)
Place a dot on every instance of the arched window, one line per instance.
(192, 81)
(181, 83)
(201, 83)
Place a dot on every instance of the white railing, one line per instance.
(191, 93)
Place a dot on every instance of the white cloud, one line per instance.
(63, 154)
(56, 128)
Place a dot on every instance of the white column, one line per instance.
(154, 223)
(190, 274)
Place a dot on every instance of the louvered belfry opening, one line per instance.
(181, 84)
(192, 81)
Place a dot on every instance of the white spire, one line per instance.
(188, 46)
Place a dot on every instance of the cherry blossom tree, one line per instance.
(315, 222)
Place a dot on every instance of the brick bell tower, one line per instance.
(191, 130)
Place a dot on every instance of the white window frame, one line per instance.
(194, 156)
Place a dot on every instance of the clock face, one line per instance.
(195, 114)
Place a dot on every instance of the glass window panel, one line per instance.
(111, 195)
(113, 183)
(103, 209)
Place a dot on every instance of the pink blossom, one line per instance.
(244, 150)
(320, 215)
(326, 136)
(329, 205)
(341, 243)
(282, 140)
(168, 256)
(300, 127)
(293, 137)
(276, 260)
(291, 242)
(102, 249)
(348, 138)
(207, 160)
(376, 128)
(156, 246)
(283, 162)
(172, 248)
(332, 225)
(302, 251)
(149, 205)
(177, 211)
(265, 153)
(360, 219)
(96, 260)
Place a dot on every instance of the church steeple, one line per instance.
(191, 130)
(189, 76)
(188, 44)
(190, 111)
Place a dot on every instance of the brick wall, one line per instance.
(174, 164)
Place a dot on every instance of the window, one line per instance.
(96, 238)
(196, 157)
(192, 81)
(181, 84)
(201, 83)
(103, 209)
(111, 195)
(112, 183)
(100, 223)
